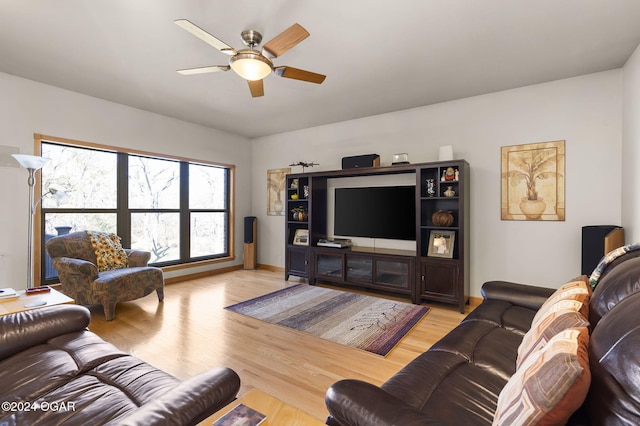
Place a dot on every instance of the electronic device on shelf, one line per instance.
(336, 242)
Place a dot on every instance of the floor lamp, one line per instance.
(32, 163)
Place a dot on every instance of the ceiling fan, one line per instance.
(251, 64)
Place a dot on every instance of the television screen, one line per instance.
(376, 212)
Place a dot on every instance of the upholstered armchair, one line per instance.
(89, 279)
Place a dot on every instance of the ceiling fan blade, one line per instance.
(256, 87)
(285, 41)
(202, 70)
(297, 74)
(205, 36)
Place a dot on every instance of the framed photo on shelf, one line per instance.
(301, 237)
(441, 244)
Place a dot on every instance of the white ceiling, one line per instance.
(379, 56)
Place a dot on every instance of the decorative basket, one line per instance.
(442, 218)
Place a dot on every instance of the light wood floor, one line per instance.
(191, 332)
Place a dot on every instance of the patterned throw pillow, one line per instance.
(566, 316)
(575, 290)
(550, 385)
(607, 260)
(108, 250)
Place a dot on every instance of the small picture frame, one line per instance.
(301, 237)
(441, 244)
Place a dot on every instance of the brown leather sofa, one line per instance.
(458, 380)
(54, 371)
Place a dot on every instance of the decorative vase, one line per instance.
(450, 192)
(278, 206)
(532, 209)
(442, 218)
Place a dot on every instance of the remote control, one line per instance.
(36, 290)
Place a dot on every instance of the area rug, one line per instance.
(370, 323)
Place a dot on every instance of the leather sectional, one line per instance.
(53, 370)
(458, 381)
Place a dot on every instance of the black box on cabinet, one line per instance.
(368, 160)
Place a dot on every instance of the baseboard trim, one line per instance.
(270, 268)
(203, 274)
(475, 301)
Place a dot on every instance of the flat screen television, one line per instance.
(376, 212)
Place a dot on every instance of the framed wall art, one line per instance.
(441, 244)
(276, 180)
(532, 181)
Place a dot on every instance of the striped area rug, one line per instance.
(370, 323)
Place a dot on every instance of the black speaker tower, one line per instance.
(598, 241)
(250, 236)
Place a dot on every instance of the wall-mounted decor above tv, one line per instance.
(376, 212)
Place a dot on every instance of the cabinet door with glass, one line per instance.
(329, 265)
(394, 273)
(359, 269)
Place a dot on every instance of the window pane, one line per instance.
(153, 183)
(208, 234)
(87, 177)
(207, 187)
(158, 233)
(55, 223)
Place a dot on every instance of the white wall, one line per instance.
(631, 149)
(27, 107)
(585, 111)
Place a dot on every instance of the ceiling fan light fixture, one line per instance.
(251, 65)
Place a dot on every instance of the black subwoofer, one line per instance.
(598, 241)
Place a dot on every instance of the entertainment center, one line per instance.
(437, 219)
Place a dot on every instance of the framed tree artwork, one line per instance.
(532, 181)
(276, 180)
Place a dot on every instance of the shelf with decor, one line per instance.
(304, 225)
(442, 240)
(297, 226)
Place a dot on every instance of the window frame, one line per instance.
(124, 213)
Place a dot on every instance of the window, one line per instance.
(179, 210)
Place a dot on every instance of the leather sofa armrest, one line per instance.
(138, 258)
(357, 403)
(190, 402)
(528, 296)
(24, 330)
(69, 265)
